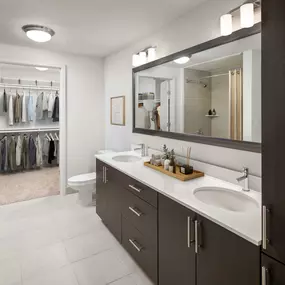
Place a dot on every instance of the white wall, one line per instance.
(85, 101)
(199, 25)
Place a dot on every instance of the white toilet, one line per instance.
(85, 184)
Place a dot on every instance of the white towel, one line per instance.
(11, 111)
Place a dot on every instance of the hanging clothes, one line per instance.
(57, 152)
(25, 153)
(51, 100)
(30, 108)
(18, 108)
(11, 111)
(19, 151)
(4, 154)
(45, 101)
(51, 156)
(39, 153)
(12, 154)
(24, 109)
(32, 152)
(5, 102)
(39, 107)
(55, 113)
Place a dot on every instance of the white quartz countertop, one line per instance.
(245, 224)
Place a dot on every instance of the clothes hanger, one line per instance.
(56, 136)
(51, 136)
(47, 136)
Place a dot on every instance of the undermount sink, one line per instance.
(126, 158)
(226, 199)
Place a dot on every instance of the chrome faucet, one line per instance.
(143, 148)
(245, 178)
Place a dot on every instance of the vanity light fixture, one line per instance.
(182, 60)
(226, 22)
(143, 58)
(38, 33)
(41, 68)
(136, 60)
(247, 15)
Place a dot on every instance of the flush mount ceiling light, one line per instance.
(247, 15)
(38, 33)
(41, 68)
(226, 22)
(182, 60)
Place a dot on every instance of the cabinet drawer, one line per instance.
(142, 249)
(141, 214)
(141, 191)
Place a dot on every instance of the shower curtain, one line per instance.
(236, 104)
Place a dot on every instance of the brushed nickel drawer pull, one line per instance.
(264, 272)
(265, 211)
(135, 211)
(134, 244)
(188, 231)
(135, 188)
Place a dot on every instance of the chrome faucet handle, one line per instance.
(245, 171)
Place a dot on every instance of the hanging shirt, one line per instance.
(51, 99)
(19, 151)
(30, 108)
(12, 154)
(55, 113)
(39, 106)
(51, 152)
(5, 102)
(25, 153)
(39, 154)
(45, 101)
(18, 109)
(11, 111)
(24, 109)
(32, 152)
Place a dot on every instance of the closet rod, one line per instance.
(20, 79)
(31, 130)
(30, 87)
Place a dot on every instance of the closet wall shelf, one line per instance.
(29, 130)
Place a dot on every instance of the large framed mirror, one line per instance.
(210, 93)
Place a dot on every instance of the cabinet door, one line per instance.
(176, 252)
(273, 125)
(273, 272)
(224, 258)
(101, 191)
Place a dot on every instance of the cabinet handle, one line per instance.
(103, 174)
(196, 236)
(136, 245)
(264, 275)
(135, 211)
(106, 180)
(264, 227)
(134, 188)
(189, 241)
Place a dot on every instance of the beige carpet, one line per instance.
(24, 186)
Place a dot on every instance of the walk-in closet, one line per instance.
(29, 132)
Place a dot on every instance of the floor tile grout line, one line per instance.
(109, 283)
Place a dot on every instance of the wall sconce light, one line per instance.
(136, 60)
(151, 54)
(143, 58)
(247, 15)
(226, 22)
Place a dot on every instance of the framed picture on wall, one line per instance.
(117, 113)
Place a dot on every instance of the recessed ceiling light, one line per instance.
(41, 68)
(38, 33)
(182, 60)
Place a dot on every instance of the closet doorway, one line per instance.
(32, 132)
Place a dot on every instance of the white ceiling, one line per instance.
(89, 27)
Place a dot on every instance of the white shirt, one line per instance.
(45, 101)
(39, 152)
(19, 151)
(51, 99)
(31, 110)
(24, 109)
(11, 111)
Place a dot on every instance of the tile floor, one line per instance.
(55, 241)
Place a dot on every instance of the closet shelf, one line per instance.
(29, 130)
(212, 116)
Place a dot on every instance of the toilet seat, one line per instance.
(82, 179)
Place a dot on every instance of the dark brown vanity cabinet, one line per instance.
(194, 250)
(273, 272)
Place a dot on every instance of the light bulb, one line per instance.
(38, 36)
(151, 54)
(226, 23)
(247, 15)
(142, 57)
(182, 60)
(136, 60)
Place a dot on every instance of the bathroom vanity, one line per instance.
(172, 235)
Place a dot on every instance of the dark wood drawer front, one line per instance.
(142, 191)
(141, 248)
(141, 214)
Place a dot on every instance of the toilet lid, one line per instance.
(83, 178)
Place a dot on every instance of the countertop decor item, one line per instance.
(178, 174)
(117, 114)
(186, 168)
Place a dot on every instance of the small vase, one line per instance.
(166, 164)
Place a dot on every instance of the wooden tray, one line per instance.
(177, 175)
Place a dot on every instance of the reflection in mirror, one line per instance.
(217, 93)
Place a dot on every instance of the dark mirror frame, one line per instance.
(234, 144)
